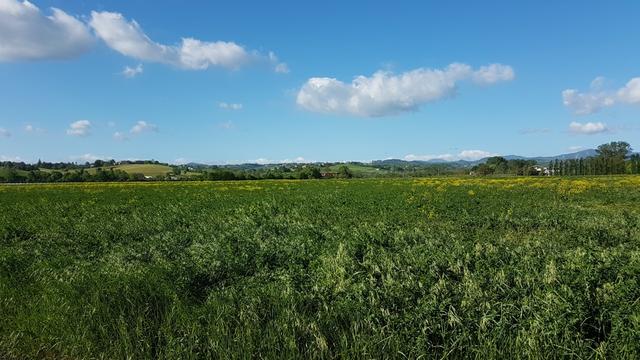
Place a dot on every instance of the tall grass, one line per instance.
(440, 268)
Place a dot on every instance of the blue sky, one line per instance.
(322, 81)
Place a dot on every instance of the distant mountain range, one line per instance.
(399, 162)
(465, 163)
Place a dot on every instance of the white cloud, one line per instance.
(5, 133)
(79, 128)
(264, 161)
(27, 34)
(143, 126)
(228, 106)
(180, 161)
(385, 93)
(128, 38)
(475, 154)
(630, 93)
(130, 72)
(469, 155)
(297, 160)
(586, 103)
(575, 148)
(588, 128)
(493, 73)
(444, 157)
(596, 98)
(120, 136)
(89, 157)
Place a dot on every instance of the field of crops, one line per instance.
(437, 267)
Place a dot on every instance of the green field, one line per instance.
(145, 169)
(361, 170)
(427, 268)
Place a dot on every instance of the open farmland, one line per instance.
(145, 169)
(440, 267)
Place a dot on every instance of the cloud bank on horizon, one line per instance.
(468, 155)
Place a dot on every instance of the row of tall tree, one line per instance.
(612, 158)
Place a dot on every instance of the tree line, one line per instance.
(612, 158)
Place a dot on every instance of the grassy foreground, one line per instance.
(508, 268)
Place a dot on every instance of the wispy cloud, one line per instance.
(131, 72)
(120, 136)
(29, 128)
(5, 133)
(531, 131)
(229, 106)
(226, 125)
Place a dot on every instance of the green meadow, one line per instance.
(529, 268)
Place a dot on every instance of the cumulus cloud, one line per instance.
(5, 133)
(385, 93)
(27, 34)
(630, 93)
(128, 38)
(131, 72)
(493, 73)
(597, 98)
(79, 128)
(469, 155)
(589, 128)
(142, 127)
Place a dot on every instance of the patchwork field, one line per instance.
(437, 267)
